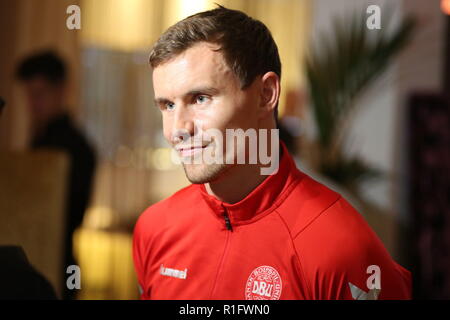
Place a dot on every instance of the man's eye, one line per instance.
(170, 106)
(201, 99)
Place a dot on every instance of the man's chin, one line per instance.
(203, 173)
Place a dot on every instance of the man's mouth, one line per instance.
(188, 151)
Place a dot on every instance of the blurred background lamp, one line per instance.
(445, 6)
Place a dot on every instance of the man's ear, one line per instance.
(270, 93)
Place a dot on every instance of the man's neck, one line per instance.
(40, 126)
(236, 183)
(241, 179)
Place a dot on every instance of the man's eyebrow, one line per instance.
(190, 93)
(160, 101)
(200, 90)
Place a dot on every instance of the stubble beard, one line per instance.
(204, 173)
(199, 173)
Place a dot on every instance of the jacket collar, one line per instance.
(263, 199)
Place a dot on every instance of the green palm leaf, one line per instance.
(348, 61)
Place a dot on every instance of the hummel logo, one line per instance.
(359, 294)
(180, 274)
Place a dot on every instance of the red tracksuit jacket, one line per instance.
(290, 238)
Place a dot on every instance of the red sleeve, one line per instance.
(138, 251)
(342, 258)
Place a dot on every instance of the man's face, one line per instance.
(44, 98)
(197, 91)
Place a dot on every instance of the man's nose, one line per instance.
(183, 126)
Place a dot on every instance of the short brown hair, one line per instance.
(247, 44)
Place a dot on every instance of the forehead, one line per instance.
(200, 65)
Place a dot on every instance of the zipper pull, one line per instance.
(227, 221)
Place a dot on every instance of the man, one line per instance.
(236, 233)
(44, 78)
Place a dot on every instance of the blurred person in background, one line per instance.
(44, 78)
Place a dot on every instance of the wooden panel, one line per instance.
(32, 200)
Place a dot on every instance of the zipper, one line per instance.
(225, 250)
(227, 220)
